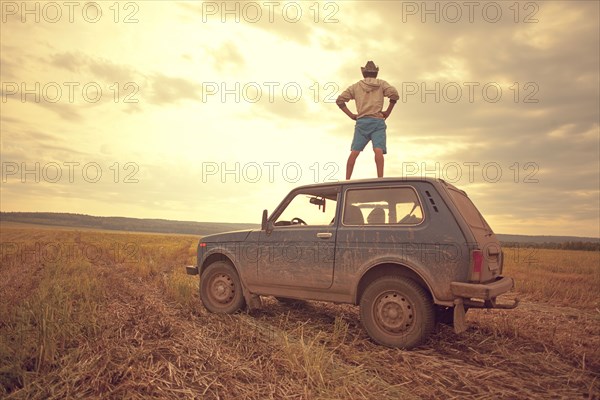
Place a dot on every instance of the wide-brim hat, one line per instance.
(369, 67)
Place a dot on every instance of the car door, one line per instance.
(378, 223)
(298, 249)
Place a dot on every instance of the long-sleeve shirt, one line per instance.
(368, 94)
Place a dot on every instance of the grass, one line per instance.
(561, 277)
(100, 314)
(182, 288)
(55, 317)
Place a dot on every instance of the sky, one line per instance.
(214, 111)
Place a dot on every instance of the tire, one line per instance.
(221, 289)
(397, 312)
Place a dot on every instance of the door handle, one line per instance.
(324, 235)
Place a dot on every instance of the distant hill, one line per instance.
(123, 223)
(207, 228)
(551, 242)
(545, 239)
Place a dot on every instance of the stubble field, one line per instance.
(96, 314)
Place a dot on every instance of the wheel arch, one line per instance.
(214, 257)
(386, 269)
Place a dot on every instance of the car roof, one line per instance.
(434, 181)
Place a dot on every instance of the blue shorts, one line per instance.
(369, 129)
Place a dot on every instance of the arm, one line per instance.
(347, 111)
(390, 92)
(346, 96)
(387, 112)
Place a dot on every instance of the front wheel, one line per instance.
(397, 312)
(220, 288)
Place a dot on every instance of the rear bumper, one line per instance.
(484, 291)
(464, 293)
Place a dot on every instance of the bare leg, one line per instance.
(350, 164)
(379, 161)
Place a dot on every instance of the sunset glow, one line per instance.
(213, 111)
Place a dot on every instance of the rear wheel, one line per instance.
(221, 289)
(397, 312)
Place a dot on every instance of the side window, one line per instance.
(309, 208)
(468, 209)
(409, 212)
(382, 206)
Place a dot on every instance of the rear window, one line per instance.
(468, 210)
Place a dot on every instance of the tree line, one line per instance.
(569, 245)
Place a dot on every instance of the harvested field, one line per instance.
(89, 314)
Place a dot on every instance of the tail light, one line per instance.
(476, 265)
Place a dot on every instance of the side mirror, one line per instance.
(263, 224)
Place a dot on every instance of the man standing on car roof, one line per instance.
(370, 119)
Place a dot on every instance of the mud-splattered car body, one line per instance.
(407, 250)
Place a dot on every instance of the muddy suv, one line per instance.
(410, 252)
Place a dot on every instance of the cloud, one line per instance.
(10, 66)
(227, 57)
(178, 46)
(97, 67)
(292, 21)
(552, 139)
(72, 83)
(71, 61)
(32, 144)
(166, 89)
(155, 87)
